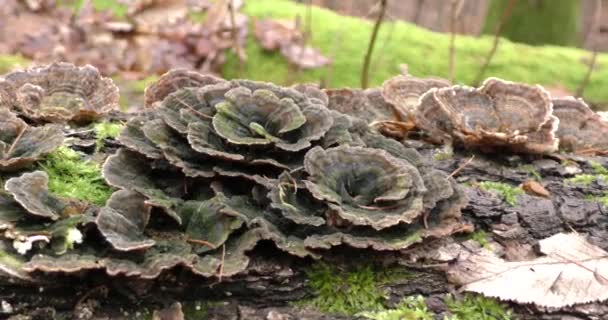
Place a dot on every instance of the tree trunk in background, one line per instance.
(431, 14)
(538, 22)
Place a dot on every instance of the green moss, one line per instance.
(352, 291)
(599, 169)
(583, 179)
(9, 62)
(443, 156)
(603, 199)
(70, 176)
(117, 8)
(425, 52)
(532, 172)
(508, 192)
(481, 237)
(140, 86)
(345, 292)
(413, 307)
(104, 130)
(198, 17)
(586, 179)
(195, 309)
(476, 307)
(537, 22)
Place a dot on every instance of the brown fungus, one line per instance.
(60, 92)
(237, 162)
(498, 114)
(22, 145)
(580, 129)
(174, 80)
(403, 92)
(123, 220)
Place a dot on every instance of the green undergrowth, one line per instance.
(344, 40)
(531, 171)
(507, 192)
(599, 172)
(481, 237)
(71, 176)
(105, 130)
(413, 307)
(9, 62)
(140, 86)
(476, 307)
(352, 291)
(468, 307)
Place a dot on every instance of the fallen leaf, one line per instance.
(274, 34)
(304, 57)
(534, 188)
(573, 271)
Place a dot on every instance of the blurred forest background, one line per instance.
(561, 44)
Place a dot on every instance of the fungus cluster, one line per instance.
(499, 114)
(60, 92)
(580, 129)
(213, 167)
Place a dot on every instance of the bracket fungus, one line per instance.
(21, 145)
(499, 114)
(216, 166)
(403, 92)
(580, 129)
(60, 92)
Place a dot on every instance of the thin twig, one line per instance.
(306, 28)
(388, 39)
(596, 25)
(191, 108)
(462, 166)
(12, 148)
(503, 20)
(456, 8)
(201, 242)
(235, 38)
(370, 47)
(221, 272)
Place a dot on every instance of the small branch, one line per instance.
(191, 108)
(221, 272)
(235, 38)
(370, 48)
(595, 26)
(294, 68)
(462, 166)
(12, 147)
(201, 242)
(585, 81)
(456, 8)
(503, 20)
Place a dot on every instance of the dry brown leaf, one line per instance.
(274, 34)
(304, 57)
(573, 271)
(534, 188)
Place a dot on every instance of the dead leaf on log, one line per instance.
(573, 271)
(304, 57)
(534, 188)
(273, 34)
(285, 35)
